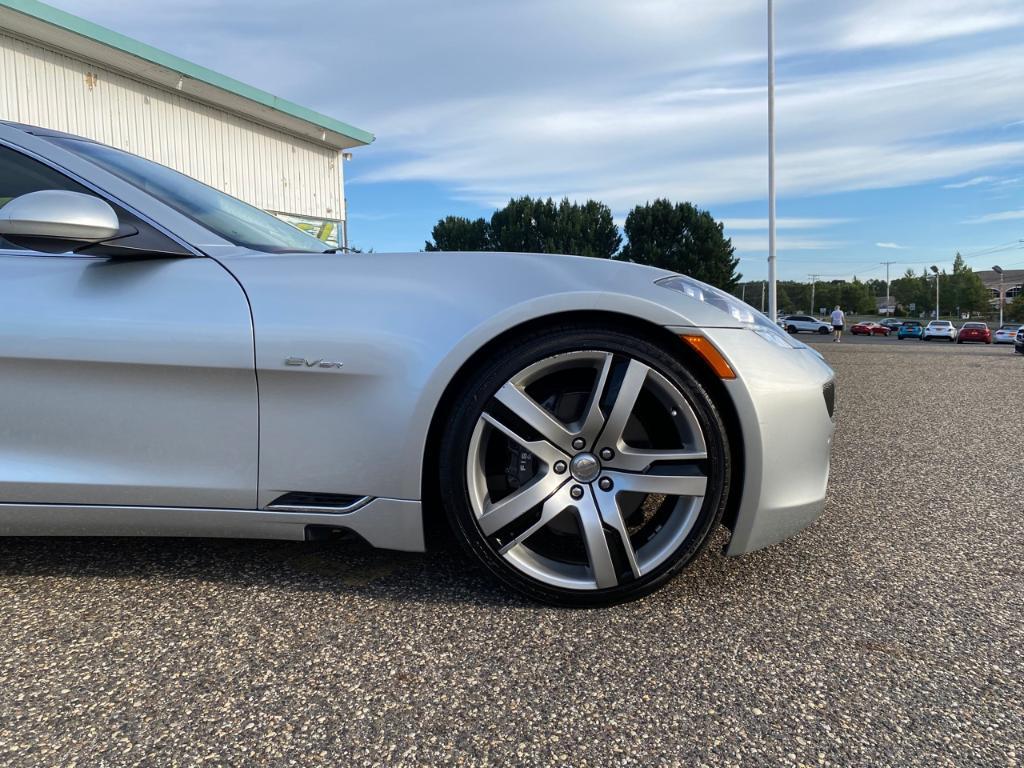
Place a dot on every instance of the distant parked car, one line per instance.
(804, 323)
(1005, 334)
(892, 323)
(974, 332)
(939, 329)
(1018, 341)
(868, 328)
(911, 329)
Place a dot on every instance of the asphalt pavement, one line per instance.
(890, 633)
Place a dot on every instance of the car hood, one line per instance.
(469, 284)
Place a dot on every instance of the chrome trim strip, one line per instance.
(334, 509)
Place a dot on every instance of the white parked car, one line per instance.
(939, 329)
(806, 323)
(1006, 333)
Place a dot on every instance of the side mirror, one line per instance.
(60, 215)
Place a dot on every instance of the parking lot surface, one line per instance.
(890, 633)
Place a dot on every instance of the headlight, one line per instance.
(739, 311)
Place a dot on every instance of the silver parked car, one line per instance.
(176, 362)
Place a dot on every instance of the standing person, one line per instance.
(838, 321)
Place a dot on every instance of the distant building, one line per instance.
(1012, 284)
(65, 73)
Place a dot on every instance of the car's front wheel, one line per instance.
(584, 466)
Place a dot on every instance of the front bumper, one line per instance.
(780, 400)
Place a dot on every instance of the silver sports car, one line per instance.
(176, 362)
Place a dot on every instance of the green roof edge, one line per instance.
(108, 37)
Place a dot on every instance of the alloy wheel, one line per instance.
(587, 470)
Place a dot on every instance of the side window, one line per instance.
(20, 175)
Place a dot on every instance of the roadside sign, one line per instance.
(822, 310)
(913, 307)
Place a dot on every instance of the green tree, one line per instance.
(1014, 310)
(457, 233)
(966, 291)
(528, 225)
(681, 238)
(525, 225)
(856, 297)
(911, 289)
(586, 230)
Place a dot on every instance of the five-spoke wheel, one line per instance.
(585, 466)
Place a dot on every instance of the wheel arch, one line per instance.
(435, 524)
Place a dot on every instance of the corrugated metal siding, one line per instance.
(264, 167)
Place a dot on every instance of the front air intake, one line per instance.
(829, 393)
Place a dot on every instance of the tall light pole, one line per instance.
(772, 295)
(888, 292)
(936, 271)
(999, 271)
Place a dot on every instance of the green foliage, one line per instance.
(457, 233)
(681, 238)
(964, 289)
(526, 225)
(1014, 310)
(586, 230)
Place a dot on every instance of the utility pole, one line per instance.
(814, 280)
(762, 296)
(936, 271)
(888, 291)
(999, 271)
(772, 295)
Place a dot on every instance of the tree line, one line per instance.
(675, 236)
(793, 297)
(683, 238)
(960, 291)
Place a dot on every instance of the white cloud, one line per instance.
(988, 218)
(972, 182)
(626, 101)
(909, 22)
(858, 130)
(733, 223)
(756, 244)
(894, 246)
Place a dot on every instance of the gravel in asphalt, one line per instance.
(890, 633)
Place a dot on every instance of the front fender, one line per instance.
(401, 325)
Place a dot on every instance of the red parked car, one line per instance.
(867, 328)
(974, 332)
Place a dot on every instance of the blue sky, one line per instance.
(900, 125)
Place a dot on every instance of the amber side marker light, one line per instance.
(710, 355)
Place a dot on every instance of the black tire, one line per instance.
(506, 362)
(791, 329)
(824, 331)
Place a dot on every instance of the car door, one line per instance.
(123, 380)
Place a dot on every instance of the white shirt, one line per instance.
(838, 318)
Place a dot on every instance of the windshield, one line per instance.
(226, 216)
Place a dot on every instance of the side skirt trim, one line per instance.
(385, 523)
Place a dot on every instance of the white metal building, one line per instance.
(62, 72)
